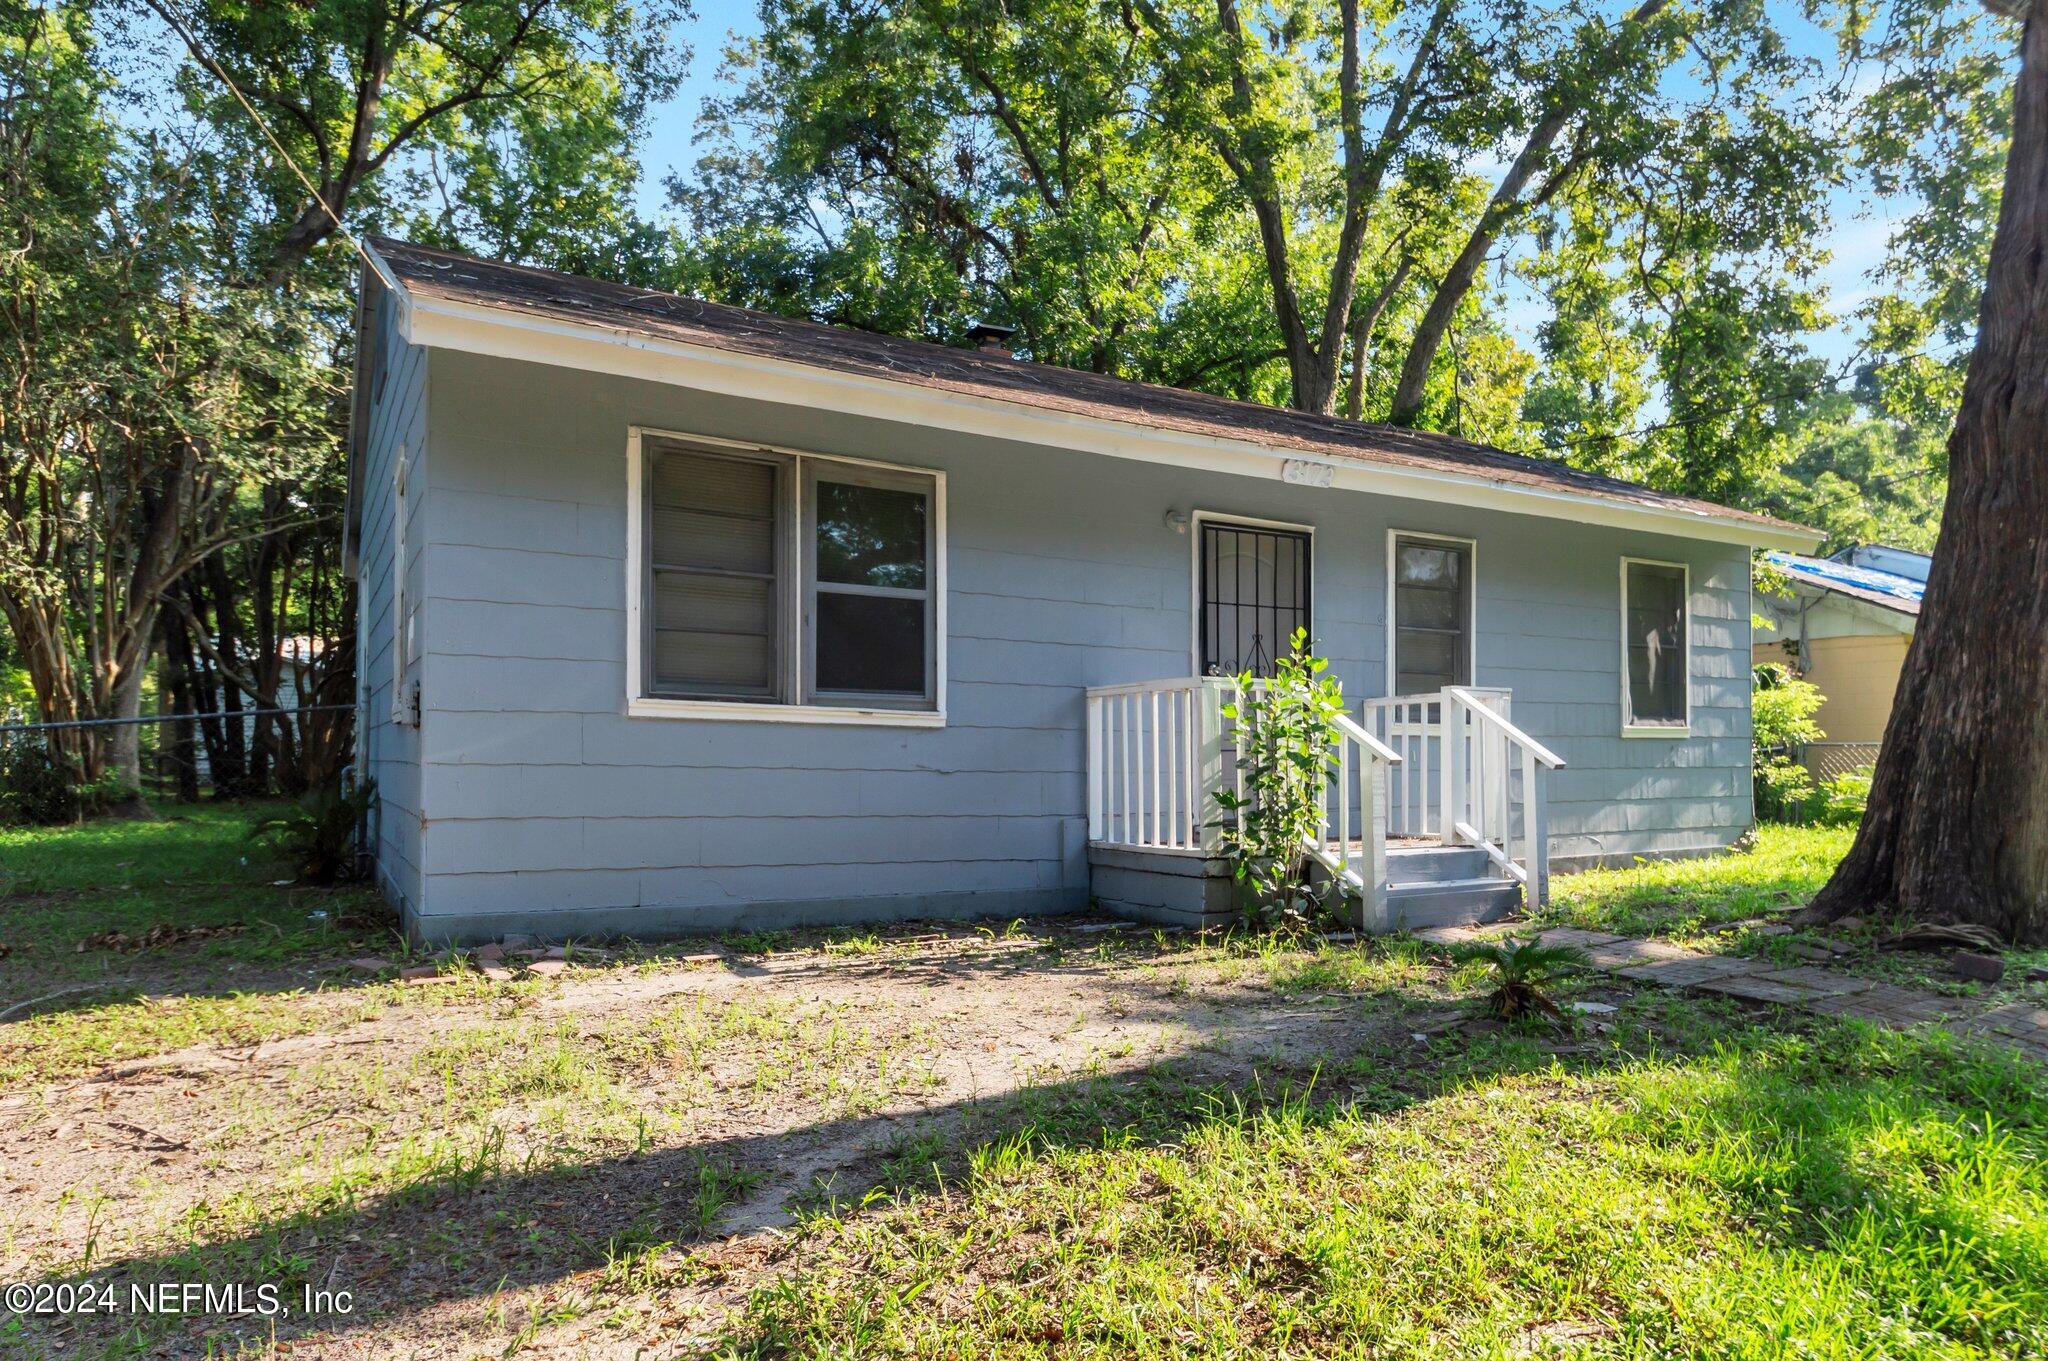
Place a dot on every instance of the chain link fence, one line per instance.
(1828, 759)
(229, 753)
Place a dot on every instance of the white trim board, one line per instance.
(507, 333)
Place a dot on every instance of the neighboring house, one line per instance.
(297, 655)
(1845, 628)
(678, 617)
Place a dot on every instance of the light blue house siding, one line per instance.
(548, 810)
(393, 417)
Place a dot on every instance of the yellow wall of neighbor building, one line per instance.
(1857, 674)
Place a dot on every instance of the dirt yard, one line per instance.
(599, 1163)
(993, 1141)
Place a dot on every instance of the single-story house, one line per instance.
(1844, 627)
(679, 617)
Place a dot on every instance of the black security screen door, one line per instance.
(1255, 587)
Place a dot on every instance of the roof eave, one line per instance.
(516, 333)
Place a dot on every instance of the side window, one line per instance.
(716, 527)
(1253, 594)
(870, 601)
(1431, 645)
(1654, 636)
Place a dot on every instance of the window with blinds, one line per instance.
(1254, 595)
(714, 531)
(785, 578)
(1655, 646)
(1432, 625)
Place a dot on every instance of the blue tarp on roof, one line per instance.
(1862, 581)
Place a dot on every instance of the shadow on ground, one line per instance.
(475, 1224)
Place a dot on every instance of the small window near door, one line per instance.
(1254, 595)
(1654, 647)
(1432, 626)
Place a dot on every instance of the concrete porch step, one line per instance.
(1420, 864)
(1417, 904)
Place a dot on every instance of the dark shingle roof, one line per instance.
(434, 273)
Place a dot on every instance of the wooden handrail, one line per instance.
(1478, 706)
(1381, 752)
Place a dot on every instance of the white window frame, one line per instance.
(1629, 727)
(1471, 547)
(641, 704)
(1224, 517)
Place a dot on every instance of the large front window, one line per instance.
(788, 579)
(1254, 593)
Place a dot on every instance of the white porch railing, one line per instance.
(1159, 750)
(1450, 766)
(1471, 778)
(1353, 846)
(1413, 726)
(1155, 752)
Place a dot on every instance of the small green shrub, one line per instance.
(1781, 710)
(1781, 714)
(1521, 967)
(1785, 792)
(1844, 798)
(319, 834)
(1283, 750)
(35, 789)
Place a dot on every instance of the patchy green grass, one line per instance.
(196, 870)
(63, 1043)
(1023, 1144)
(1840, 1193)
(1786, 866)
(124, 938)
(1690, 899)
(1397, 966)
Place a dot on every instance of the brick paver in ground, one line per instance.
(1828, 992)
(1889, 1004)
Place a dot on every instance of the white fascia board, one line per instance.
(1883, 617)
(507, 334)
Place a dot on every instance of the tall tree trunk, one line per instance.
(124, 746)
(176, 682)
(1957, 827)
(1501, 210)
(1457, 282)
(1366, 321)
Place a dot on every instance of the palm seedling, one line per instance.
(1521, 968)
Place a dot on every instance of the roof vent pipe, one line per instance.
(991, 337)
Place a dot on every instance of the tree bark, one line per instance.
(1363, 324)
(124, 747)
(1501, 210)
(1957, 827)
(1457, 281)
(1315, 360)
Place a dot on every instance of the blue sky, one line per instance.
(669, 145)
